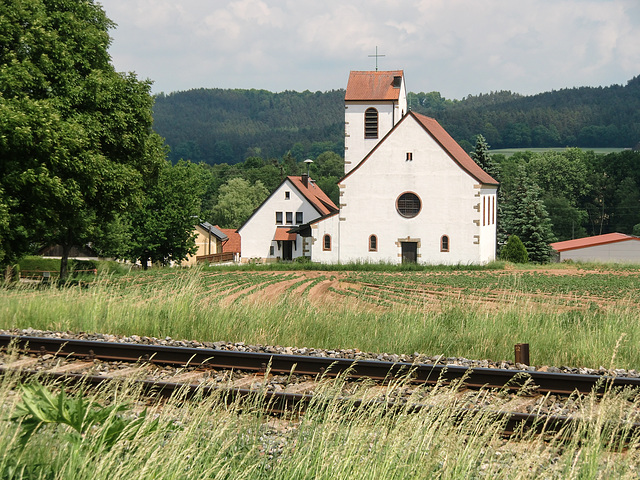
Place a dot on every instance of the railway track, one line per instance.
(193, 365)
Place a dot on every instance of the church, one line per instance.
(410, 193)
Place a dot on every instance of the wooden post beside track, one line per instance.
(522, 353)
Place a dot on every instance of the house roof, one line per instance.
(448, 144)
(591, 241)
(234, 243)
(282, 233)
(215, 231)
(373, 86)
(314, 194)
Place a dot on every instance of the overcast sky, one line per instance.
(456, 47)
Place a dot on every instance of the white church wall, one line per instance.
(258, 233)
(448, 196)
(488, 229)
(328, 226)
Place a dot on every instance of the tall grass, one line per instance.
(209, 438)
(188, 305)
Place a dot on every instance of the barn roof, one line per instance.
(448, 144)
(374, 85)
(591, 241)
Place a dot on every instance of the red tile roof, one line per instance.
(314, 195)
(282, 233)
(591, 241)
(234, 244)
(372, 86)
(440, 135)
(455, 151)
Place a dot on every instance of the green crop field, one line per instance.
(510, 151)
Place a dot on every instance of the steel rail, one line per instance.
(297, 403)
(471, 377)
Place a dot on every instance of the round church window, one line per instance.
(408, 205)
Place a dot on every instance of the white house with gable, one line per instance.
(266, 235)
(410, 193)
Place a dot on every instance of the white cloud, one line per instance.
(454, 46)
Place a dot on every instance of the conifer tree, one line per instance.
(481, 157)
(526, 216)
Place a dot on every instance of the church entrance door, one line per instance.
(409, 252)
(287, 250)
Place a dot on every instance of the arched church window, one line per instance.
(444, 243)
(371, 123)
(408, 205)
(373, 243)
(326, 242)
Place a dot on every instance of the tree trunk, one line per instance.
(64, 262)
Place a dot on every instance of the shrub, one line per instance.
(514, 251)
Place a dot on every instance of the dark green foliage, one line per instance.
(481, 157)
(162, 228)
(584, 117)
(76, 141)
(514, 251)
(227, 126)
(525, 215)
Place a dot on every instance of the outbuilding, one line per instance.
(610, 247)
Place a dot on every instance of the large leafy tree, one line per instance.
(237, 199)
(76, 144)
(162, 230)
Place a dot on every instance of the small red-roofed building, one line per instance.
(610, 247)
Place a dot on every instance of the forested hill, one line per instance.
(227, 126)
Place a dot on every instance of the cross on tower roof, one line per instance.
(376, 55)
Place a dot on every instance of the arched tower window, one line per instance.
(326, 242)
(444, 243)
(373, 243)
(371, 123)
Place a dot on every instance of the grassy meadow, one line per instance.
(582, 315)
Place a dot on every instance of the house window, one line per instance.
(289, 218)
(371, 123)
(287, 195)
(444, 243)
(373, 243)
(408, 205)
(272, 251)
(299, 218)
(409, 156)
(326, 242)
(278, 218)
